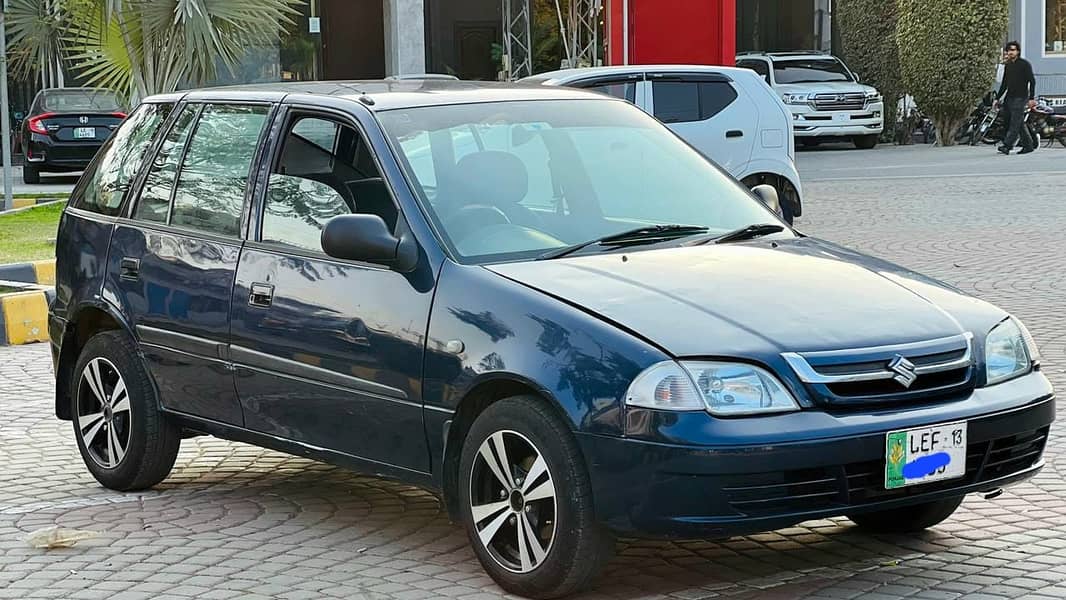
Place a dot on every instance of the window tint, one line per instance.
(687, 101)
(120, 160)
(626, 90)
(210, 191)
(155, 195)
(80, 100)
(312, 184)
(759, 66)
(812, 70)
(676, 101)
(715, 96)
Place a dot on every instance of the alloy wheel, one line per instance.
(513, 501)
(104, 417)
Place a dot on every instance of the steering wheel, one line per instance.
(472, 218)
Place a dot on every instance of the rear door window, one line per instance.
(214, 174)
(685, 101)
(108, 180)
(154, 202)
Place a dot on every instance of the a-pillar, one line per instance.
(405, 37)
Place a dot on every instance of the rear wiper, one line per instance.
(748, 233)
(646, 233)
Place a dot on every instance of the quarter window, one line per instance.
(158, 185)
(759, 66)
(315, 181)
(120, 160)
(211, 186)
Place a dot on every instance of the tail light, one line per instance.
(37, 126)
(119, 115)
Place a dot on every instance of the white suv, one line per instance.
(728, 114)
(826, 99)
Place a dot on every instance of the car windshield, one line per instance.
(813, 70)
(513, 180)
(80, 100)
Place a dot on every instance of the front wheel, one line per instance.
(527, 502)
(865, 142)
(908, 519)
(125, 441)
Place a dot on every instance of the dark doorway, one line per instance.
(353, 39)
(473, 47)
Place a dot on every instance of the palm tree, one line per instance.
(144, 47)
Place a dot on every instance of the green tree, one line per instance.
(868, 36)
(948, 50)
(143, 47)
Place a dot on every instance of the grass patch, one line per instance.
(26, 235)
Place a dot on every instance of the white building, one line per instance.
(1040, 27)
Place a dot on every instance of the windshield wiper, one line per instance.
(648, 233)
(748, 233)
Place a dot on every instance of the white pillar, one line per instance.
(405, 37)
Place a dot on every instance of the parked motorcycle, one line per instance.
(1049, 122)
(987, 124)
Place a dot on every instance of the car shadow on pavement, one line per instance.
(234, 491)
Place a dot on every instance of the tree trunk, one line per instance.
(946, 126)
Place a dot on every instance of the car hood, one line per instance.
(758, 298)
(835, 87)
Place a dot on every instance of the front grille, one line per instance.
(915, 372)
(848, 101)
(860, 483)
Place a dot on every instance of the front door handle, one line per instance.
(734, 133)
(262, 295)
(130, 268)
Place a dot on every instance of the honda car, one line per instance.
(65, 127)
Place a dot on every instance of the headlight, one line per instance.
(718, 387)
(873, 97)
(1009, 352)
(795, 98)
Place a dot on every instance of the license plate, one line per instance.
(1058, 101)
(923, 455)
(81, 133)
(841, 117)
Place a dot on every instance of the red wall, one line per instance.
(699, 32)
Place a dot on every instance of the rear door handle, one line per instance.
(130, 268)
(734, 133)
(262, 295)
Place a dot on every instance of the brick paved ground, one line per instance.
(234, 521)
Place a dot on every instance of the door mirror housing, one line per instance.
(768, 196)
(366, 238)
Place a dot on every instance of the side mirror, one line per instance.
(768, 195)
(858, 79)
(366, 238)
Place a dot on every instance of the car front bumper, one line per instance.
(654, 489)
(811, 123)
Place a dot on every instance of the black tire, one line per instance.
(578, 547)
(865, 142)
(908, 519)
(151, 440)
(30, 174)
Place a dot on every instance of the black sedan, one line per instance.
(65, 128)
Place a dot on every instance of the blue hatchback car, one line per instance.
(538, 302)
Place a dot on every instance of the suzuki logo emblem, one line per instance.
(904, 370)
(83, 120)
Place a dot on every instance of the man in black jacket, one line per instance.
(1017, 91)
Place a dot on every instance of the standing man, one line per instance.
(1017, 91)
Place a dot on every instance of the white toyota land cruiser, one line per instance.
(826, 99)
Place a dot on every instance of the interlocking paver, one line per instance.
(236, 521)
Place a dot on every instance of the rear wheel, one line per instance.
(865, 142)
(125, 441)
(30, 174)
(527, 502)
(908, 519)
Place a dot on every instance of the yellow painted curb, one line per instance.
(46, 271)
(23, 202)
(25, 317)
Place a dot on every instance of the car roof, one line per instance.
(378, 95)
(776, 56)
(564, 75)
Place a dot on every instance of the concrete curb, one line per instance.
(41, 272)
(24, 314)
